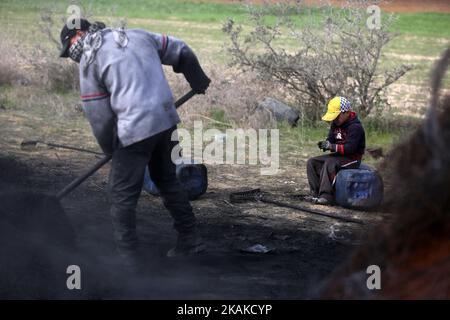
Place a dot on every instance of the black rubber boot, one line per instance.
(131, 261)
(187, 244)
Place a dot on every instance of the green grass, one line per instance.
(423, 24)
(199, 23)
(200, 11)
(423, 36)
(420, 24)
(418, 31)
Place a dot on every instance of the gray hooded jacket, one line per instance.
(124, 90)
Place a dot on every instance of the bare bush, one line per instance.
(53, 73)
(47, 22)
(38, 64)
(236, 95)
(9, 73)
(317, 53)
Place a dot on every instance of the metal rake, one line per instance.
(257, 195)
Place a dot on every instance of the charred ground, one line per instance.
(306, 249)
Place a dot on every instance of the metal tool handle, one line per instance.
(75, 183)
(313, 211)
(184, 98)
(257, 195)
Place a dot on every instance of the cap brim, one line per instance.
(65, 50)
(330, 116)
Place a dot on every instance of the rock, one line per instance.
(257, 248)
(280, 110)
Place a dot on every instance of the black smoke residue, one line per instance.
(36, 240)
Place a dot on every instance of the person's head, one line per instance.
(71, 35)
(338, 111)
(77, 36)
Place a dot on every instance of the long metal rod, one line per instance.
(75, 183)
(317, 212)
(33, 143)
(54, 145)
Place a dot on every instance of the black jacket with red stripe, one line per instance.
(348, 139)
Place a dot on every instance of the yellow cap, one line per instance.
(333, 109)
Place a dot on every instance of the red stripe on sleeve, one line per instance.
(94, 95)
(164, 44)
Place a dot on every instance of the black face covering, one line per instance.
(76, 50)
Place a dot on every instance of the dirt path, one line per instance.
(306, 249)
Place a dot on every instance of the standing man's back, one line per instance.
(130, 107)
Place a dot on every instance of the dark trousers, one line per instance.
(322, 171)
(126, 180)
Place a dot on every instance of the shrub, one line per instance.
(230, 99)
(9, 73)
(54, 73)
(334, 53)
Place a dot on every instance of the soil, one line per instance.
(306, 248)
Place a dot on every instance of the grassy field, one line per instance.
(422, 24)
(421, 38)
(421, 35)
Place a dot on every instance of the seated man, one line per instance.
(346, 140)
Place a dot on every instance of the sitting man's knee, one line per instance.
(330, 162)
(310, 162)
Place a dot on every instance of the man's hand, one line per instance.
(324, 145)
(201, 85)
(193, 72)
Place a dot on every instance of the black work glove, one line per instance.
(324, 145)
(192, 71)
(200, 84)
(197, 79)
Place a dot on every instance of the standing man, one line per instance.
(130, 107)
(346, 140)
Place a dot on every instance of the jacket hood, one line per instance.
(352, 120)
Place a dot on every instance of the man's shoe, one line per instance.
(323, 201)
(187, 244)
(310, 199)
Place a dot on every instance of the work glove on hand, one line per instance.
(201, 84)
(197, 78)
(192, 71)
(324, 145)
